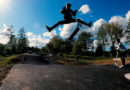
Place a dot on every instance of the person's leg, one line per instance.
(123, 58)
(65, 21)
(82, 22)
(124, 55)
(123, 61)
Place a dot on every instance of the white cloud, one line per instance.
(97, 25)
(4, 39)
(50, 34)
(4, 34)
(84, 9)
(60, 29)
(128, 15)
(120, 20)
(67, 30)
(34, 40)
(123, 39)
(37, 40)
(30, 34)
(95, 43)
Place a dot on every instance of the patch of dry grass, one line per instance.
(88, 62)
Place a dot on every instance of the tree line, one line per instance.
(16, 44)
(83, 45)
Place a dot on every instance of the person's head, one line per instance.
(68, 5)
(118, 40)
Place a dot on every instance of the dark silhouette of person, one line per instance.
(69, 17)
(122, 52)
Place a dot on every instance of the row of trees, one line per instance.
(15, 44)
(106, 36)
(109, 32)
(81, 46)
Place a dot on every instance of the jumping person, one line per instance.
(122, 52)
(68, 18)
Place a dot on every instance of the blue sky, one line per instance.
(33, 15)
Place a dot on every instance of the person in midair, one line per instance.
(122, 52)
(68, 18)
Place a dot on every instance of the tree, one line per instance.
(127, 34)
(102, 36)
(114, 31)
(66, 47)
(12, 38)
(13, 43)
(77, 49)
(99, 50)
(54, 46)
(22, 41)
(50, 47)
(2, 49)
(44, 49)
(36, 50)
(85, 39)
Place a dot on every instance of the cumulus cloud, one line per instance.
(84, 9)
(36, 40)
(123, 39)
(4, 34)
(30, 34)
(128, 15)
(97, 25)
(67, 30)
(41, 39)
(95, 43)
(50, 34)
(60, 29)
(120, 20)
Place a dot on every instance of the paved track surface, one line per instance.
(38, 74)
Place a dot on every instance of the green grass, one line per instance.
(84, 60)
(72, 57)
(7, 60)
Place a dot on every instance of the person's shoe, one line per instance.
(48, 28)
(90, 24)
(122, 66)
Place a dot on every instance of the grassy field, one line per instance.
(6, 64)
(7, 60)
(86, 60)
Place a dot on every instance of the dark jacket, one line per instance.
(68, 13)
(121, 47)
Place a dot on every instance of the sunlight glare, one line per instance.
(4, 5)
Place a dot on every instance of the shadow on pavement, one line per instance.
(128, 65)
(35, 60)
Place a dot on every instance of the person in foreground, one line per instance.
(69, 17)
(122, 52)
